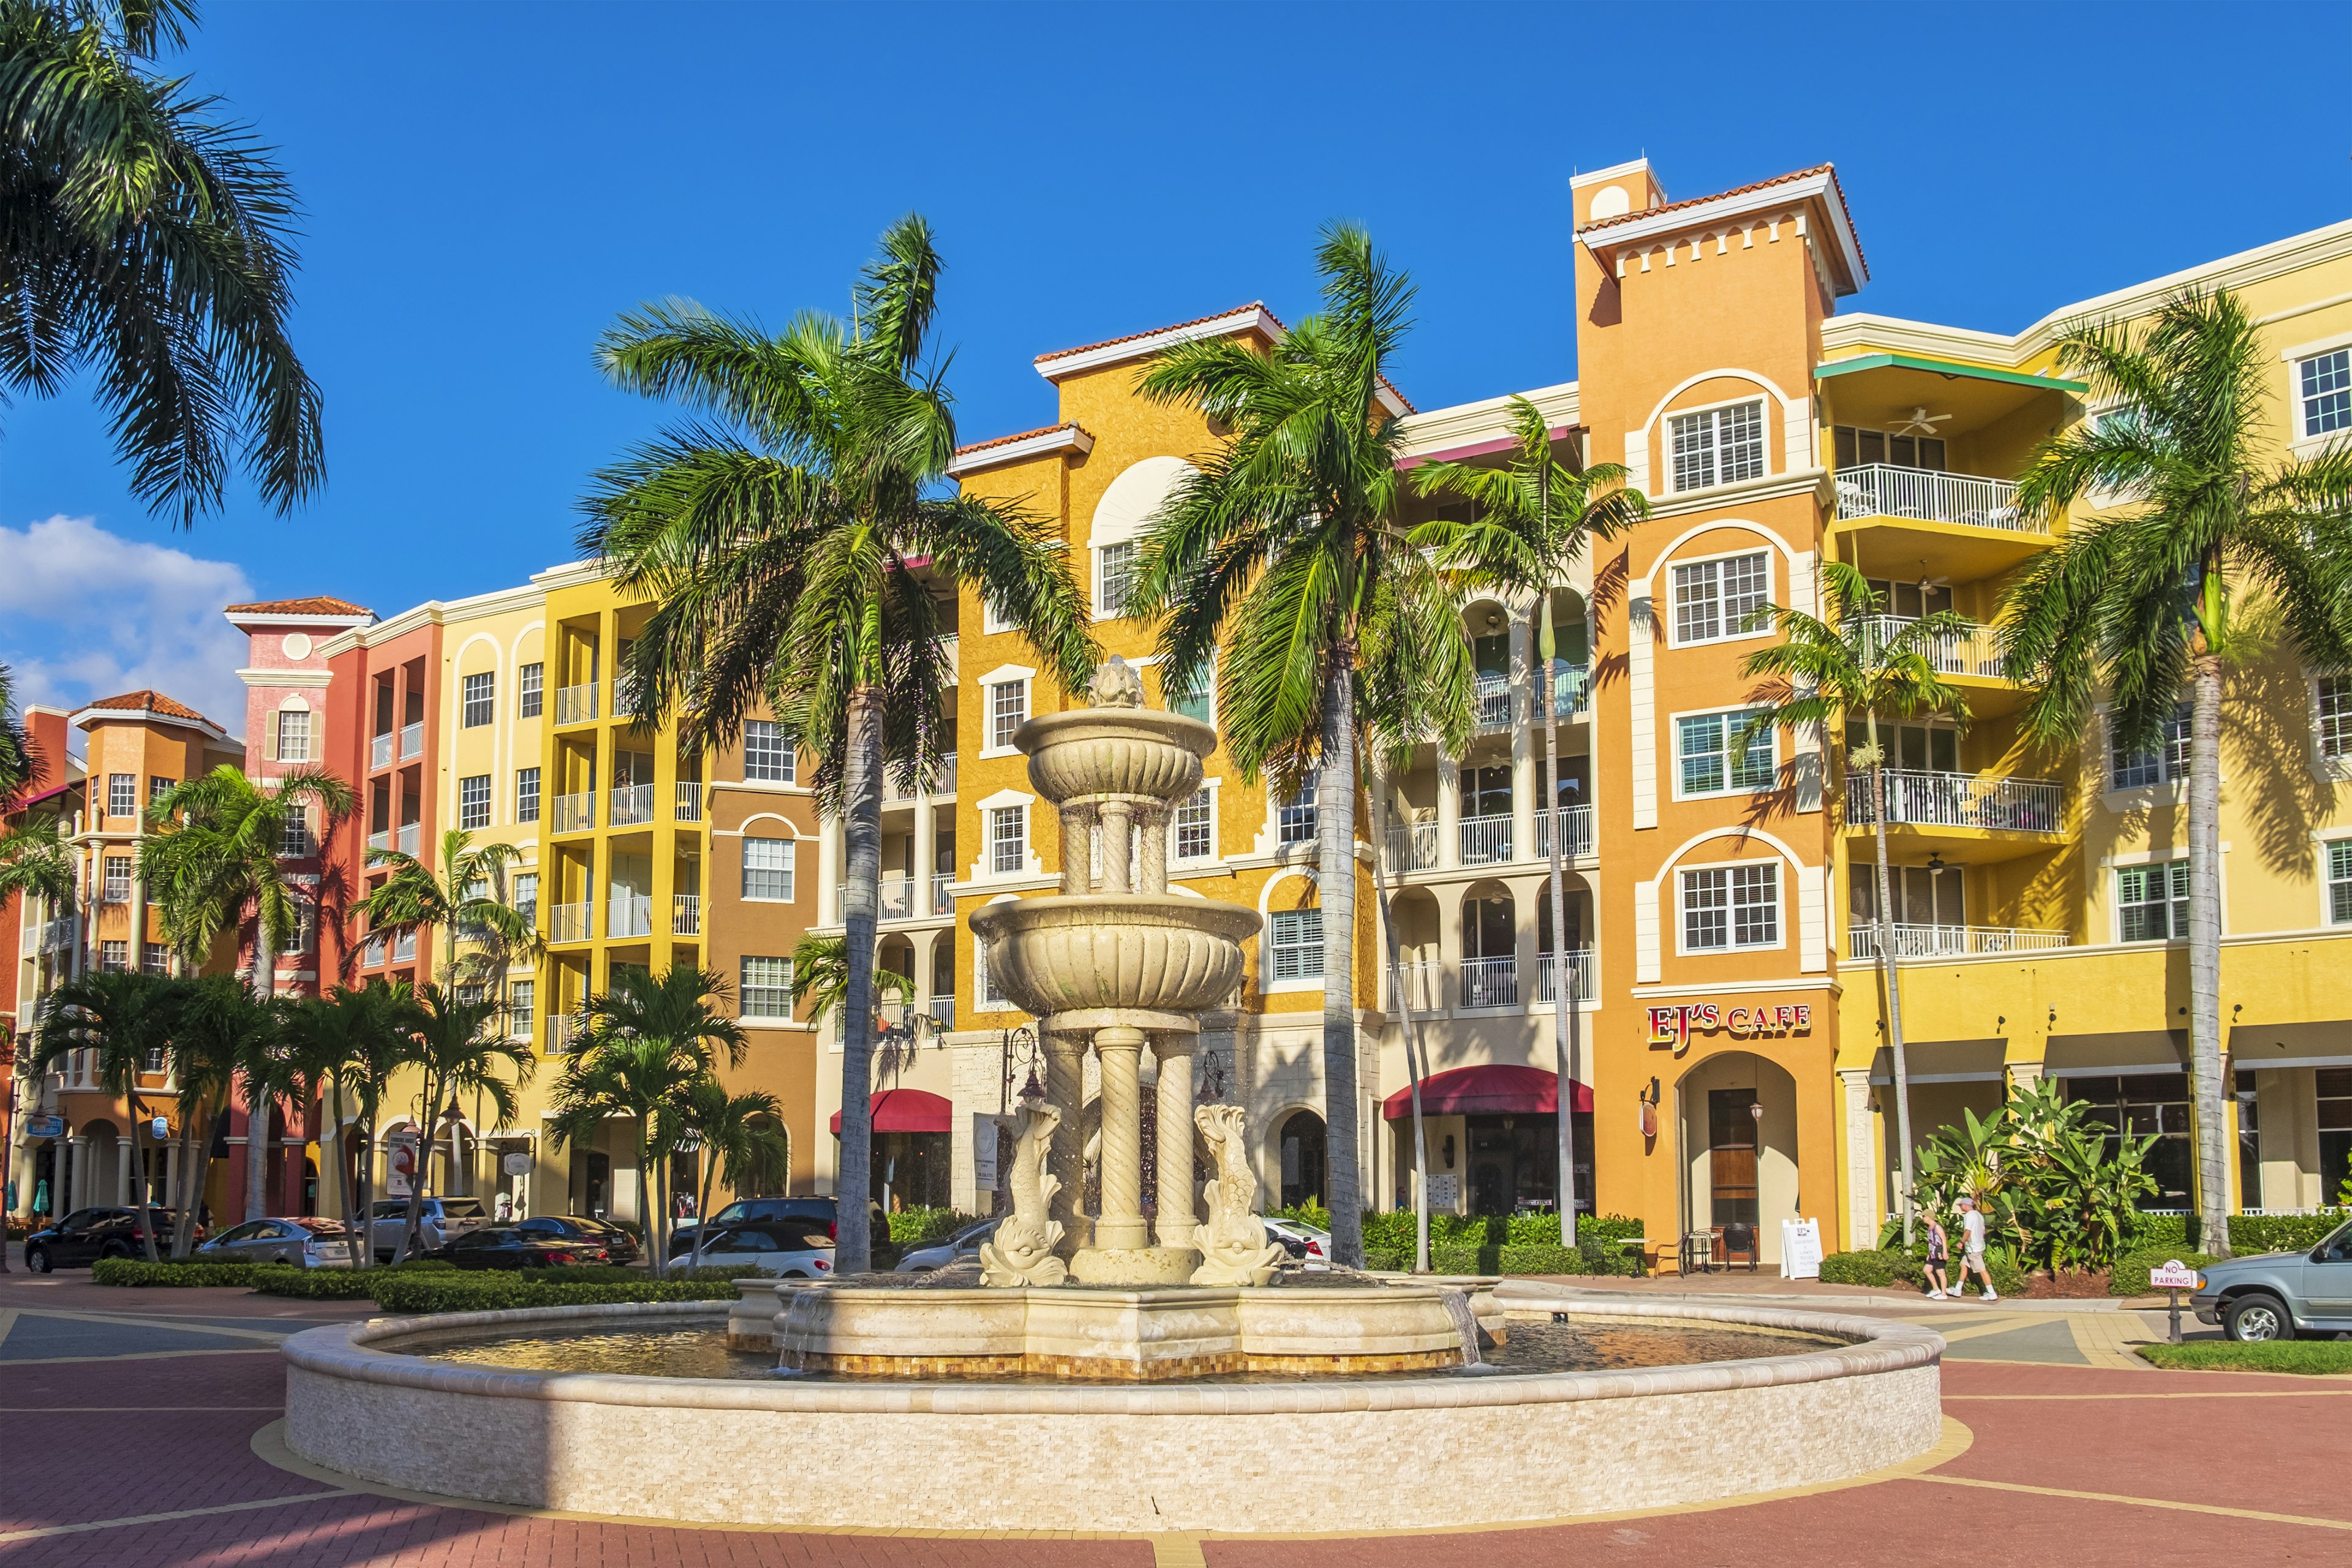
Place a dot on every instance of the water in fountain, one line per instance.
(1466, 1323)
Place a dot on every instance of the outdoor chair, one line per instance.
(1741, 1238)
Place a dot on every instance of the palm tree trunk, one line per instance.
(702, 1203)
(183, 1234)
(1563, 974)
(412, 1233)
(645, 1222)
(146, 1190)
(258, 1099)
(2205, 948)
(862, 825)
(1335, 820)
(1891, 974)
(364, 1183)
(1411, 1068)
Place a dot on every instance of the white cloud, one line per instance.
(84, 613)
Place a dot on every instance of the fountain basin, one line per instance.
(965, 1455)
(1139, 753)
(1116, 953)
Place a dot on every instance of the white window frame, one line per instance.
(528, 906)
(2300, 401)
(1715, 414)
(530, 690)
(1730, 908)
(523, 1009)
(1104, 609)
(1278, 808)
(790, 857)
(122, 787)
(988, 718)
(1208, 693)
(777, 980)
(2336, 764)
(2180, 901)
(1767, 745)
(2167, 776)
(537, 794)
(1270, 978)
(488, 701)
(1727, 625)
(285, 721)
(485, 802)
(1207, 794)
(991, 623)
(294, 835)
(777, 765)
(2329, 882)
(991, 844)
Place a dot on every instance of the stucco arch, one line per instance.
(1129, 504)
(1729, 372)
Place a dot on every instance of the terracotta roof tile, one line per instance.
(1155, 331)
(149, 702)
(1021, 436)
(1717, 196)
(318, 605)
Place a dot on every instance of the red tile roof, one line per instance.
(1155, 331)
(1828, 169)
(149, 702)
(1023, 436)
(318, 605)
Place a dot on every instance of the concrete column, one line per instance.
(122, 1173)
(828, 870)
(1077, 855)
(1121, 1224)
(1449, 813)
(1152, 823)
(1862, 1195)
(926, 854)
(1177, 1216)
(1449, 946)
(1525, 712)
(1118, 847)
(75, 1175)
(1065, 1086)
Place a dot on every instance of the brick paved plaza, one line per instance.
(140, 1426)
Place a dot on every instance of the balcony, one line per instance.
(626, 702)
(1486, 840)
(1493, 696)
(572, 813)
(1974, 652)
(1490, 982)
(942, 1010)
(633, 805)
(407, 839)
(688, 807)
(942, 893)
(1579, 831)
(576, 704)
(403, 947)
(380, 839)
(1930, 495)
(686, 915)
(57, 935)
(1579, 976)
(1424, 987)
(1951, 941)
(412, 740)
(628, 915)
(943, 782)
(372, 954)
(562, 1032)
(1413, 847)
(1572, 688)
(380, 752)
(570, 922)
(1915, 798)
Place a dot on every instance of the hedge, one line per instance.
(1478, 1244)
(412, 1294)
(2130, 1277)
(922, 1226)
(1884, 1267)
(2250, 1234)
(319, 1284)
(137, 1273)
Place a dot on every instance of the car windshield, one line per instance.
(320, 1227)
(733, 1213)
(462, 1208)
(2337, 1247)
(396, 1209)
(973, 1233)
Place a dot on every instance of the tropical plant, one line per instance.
(738, 1140)
(638, 1078)
(218, 1019)
(20, 766)
(793, 555)
(454, 1053)
(35, 860)
(821, 978)
(2057, 1188)
(351, 1042)
(1533, 520)
(147, 243)
(125, 1022)
(1278, 544)
(1825, 674)
(2193, 514)
(468, 900)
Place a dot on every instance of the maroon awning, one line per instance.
(1491, 1090)
(907, 1111)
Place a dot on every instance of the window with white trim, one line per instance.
(1295, 938)
(117, 879)
(114, 957)
(306, 926)
(1008, 840)
(1195, 836)
(531, 685)
(2152, 902)
(294, 833)
(992, 995)
(474, 801)
(766, 758)
(1294, 817)
(2137, 770)
(522, 1008)
(1711, 759)
(1008, 710)
(156, 785)
(122, 794)
(1719, 445)
(1713, 599)
(1114, 578)
(155, 957)
(2333, 716)
(994, 620)
(1728, 907)
(2323, 389)
(480, 702)
(2340, 881)
(768, 870)
(766, 988)
(526, 795)
(293, 735)
(526, 896)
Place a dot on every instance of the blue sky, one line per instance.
(488, 184)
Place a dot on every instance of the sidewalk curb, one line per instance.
(1548, 1291)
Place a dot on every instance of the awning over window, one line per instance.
(907, 1111)
(1491, 1090)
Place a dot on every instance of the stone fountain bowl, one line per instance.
(1160, 952)
(1115, 750)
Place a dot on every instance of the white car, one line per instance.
(446, 1219)
(963, 1246)
(784, 1250)
(306, 1242)
(1305, 1243)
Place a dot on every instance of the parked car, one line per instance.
(2280, 1295)
(780, 1247)
(962, 1247)
(446, 1219)
(1305, 1243)
(85, 1236)
(758, 1210)
(511, 1247)
(305, 1241)
(619, 1245)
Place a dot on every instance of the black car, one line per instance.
(85, 1236)
(619, 1245)
(509, 1246)
(759, 1211)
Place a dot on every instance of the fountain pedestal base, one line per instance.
(1143, 1266)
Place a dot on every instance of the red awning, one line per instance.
(907, 1111)
(1490, 1091)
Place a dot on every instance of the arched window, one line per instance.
(1302, 1160)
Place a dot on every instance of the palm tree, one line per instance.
(218, 1015)
(739, 1140)
(146, 243)
(793, 555)
(1851, 667)
(125, 1022)
(633, 1077)
(1533, 522)
(468, 900)
(20, 766)
(34, 859)
(455, 1055)
(2192, 515)
(1278, 544)
(353, 1041)
(821, 978)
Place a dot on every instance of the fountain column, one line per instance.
(1118, 835)
(1065, 1086)
(1120, 1225)
(1174, 1223)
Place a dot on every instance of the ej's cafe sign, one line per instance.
(1676, 1023)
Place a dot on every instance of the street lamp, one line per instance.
(1020, 1048)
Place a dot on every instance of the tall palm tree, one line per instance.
(351, 1042)
(1851, 667)
(1534, 519)
(35, 861)
(821, 978)
(146, 240)
(21, 767)
(454, 1054)
(2192, 514)
(739, 1143)
(792, 551)
(1278, 545)
(467, 900)
(126, 1023)
(217, 1017)
(630, 1077)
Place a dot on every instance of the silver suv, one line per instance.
(444, 1220)
(2280, 1295)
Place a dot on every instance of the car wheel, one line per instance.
(2251, 1319)
(37, 1258)
(115, 1249)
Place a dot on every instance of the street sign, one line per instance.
(2172, 1275)
(516, 1164)
(45, 1127)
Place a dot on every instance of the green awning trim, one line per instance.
(1946, 367)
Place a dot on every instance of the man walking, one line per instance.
(1972, 1253)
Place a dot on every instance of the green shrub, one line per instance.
(318, 1284)
(1318, 1216)
(1551, 1258)
(2311, 1358)
(1381, 1259)
(412, 1294)
(2130, 1277)
(2251, 1234)
(921, 1227)
(138, 1273)
(426, 1266)
(1870, 1268)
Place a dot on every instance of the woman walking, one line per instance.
(1939, 1252)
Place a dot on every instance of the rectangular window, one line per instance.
(114, 957)
(118, 878)
(2135, 770)
(1718, 447)
(474, 801)
(1198, 701)
(1708, 742)
(1195, 828)
(530, 682)
(156, 786)
(1297, 939)
(480, 701)
(122, 794)
(2339, 882)
(1008, 710)
(526, 895)
(768, 870)
(1114, 578)
(992, 995)
(766, 758)
(155, 957)
(767, 987)
(293, 737)
(1008, 840)
(294, 835)
(1715, 599)
(526, 795)
(522, 1008)
(1294, 817)
(1731, 906)
(2153, 902)
(2324, 383)
(306, 926)
(2334, 717)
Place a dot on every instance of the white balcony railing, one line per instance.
(1493, 700)
(1486, 840)
(686, 915)
(1424, 985)
(1490, 982)
(372, 954)
(1951, 941)
(1579, 832)
(943, 782)
(626, 704)
(403, 947)
(408, 837)
(412, 740)
(633, 805)
(1572, 687)
(1975, 651)
(689, 800)
(380, 839)
(571, 922)
(563, 1031)
(628, 914)
(57, 935)
(572, 813)
(1960, 800)
(1927, 495)
(380, 751)
(576, 704)
(1413, 847)
(1579, 976)
(898, 898)
(942, 1010)
(942, 892)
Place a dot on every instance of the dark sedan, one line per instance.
(618, 1244)
(509, 1246)
(85, 1236)
(758, 1210)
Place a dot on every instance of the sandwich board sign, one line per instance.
(1800, 1250)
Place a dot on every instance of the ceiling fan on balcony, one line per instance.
(1922, 422)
